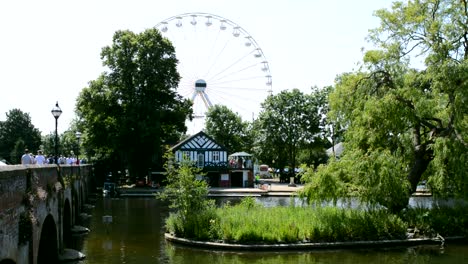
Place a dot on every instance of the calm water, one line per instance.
(136, 235)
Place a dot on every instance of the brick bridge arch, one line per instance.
(48, 242)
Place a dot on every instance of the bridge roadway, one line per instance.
(40, 207)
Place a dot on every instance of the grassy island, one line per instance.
(196, 217)
(251, 223)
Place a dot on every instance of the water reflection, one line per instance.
(136, 235)
(425, 254)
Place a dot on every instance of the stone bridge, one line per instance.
(40, 206)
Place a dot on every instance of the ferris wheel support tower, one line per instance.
(200, 87)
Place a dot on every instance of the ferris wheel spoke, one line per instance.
(240, 104)
(246, 78)
(218, 56)
(229, 75)
(232, 65)
(228, 88)
(247, 96)
(218, 62)
(186, 94)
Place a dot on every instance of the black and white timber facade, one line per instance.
(203, 151)
(213, 159)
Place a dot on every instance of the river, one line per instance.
(136, 236)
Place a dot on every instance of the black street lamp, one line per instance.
(56, 112)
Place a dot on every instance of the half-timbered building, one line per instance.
(207, 155)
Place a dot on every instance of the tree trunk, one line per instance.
(422, 157)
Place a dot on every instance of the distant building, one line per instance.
(206, 154)
(221, 169)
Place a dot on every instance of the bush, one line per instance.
(188, 197)
(443, 220)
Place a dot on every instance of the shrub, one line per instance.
(443, 220)
(188, 197)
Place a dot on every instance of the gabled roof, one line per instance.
(198, 141)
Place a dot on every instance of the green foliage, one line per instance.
(15, 129)
(226, 127)
(249, 203)
(246, 224)
(376, 177)
(404, 125)
(443, 220)
(199, 225)
(129, 112)
(17, 152)
(188, 197)
(288, 121)
(249, 222)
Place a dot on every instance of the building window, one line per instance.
(201, 160)
(215, 156)
(186, 155)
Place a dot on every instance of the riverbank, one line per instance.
(268, 187)
(313, 246)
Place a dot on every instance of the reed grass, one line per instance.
(248, 222)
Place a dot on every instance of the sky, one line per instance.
(50, 49)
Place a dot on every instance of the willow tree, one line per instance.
(404, 124)
(133, 109)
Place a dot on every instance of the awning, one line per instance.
(240, 154)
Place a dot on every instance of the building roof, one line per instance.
(197, 142)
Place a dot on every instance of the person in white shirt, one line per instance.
(40, 159)
(26, 158)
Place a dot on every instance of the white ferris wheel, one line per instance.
(219, 63)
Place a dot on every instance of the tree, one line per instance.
(68, 144)
(403, 124)
(18, 128)
(226, 127)
(287, 121)
(187, 196)
(313, 152)
(129, 112)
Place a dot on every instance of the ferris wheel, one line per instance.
(219, 63)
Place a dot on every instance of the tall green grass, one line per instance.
(249, 222)
(306, 224)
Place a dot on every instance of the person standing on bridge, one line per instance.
(26, 158)
(40, 159)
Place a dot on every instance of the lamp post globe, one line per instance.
(56, 112)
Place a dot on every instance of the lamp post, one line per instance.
(56, 112)
(78, 138)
